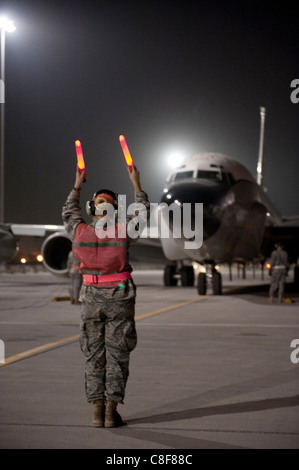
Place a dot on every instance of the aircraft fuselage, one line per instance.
(236, 210)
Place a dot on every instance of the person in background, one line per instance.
(279, 262)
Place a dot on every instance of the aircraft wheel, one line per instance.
(169, 276)
(217, 283)
(202, 284)
(187, 276)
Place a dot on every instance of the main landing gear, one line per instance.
(213, 277)
(173, 273)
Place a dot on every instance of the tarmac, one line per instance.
(209, 372)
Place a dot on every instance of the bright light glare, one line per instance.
(7, 25)
(39, 258)
(175, 159)
(23, 260)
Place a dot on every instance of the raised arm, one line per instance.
(71, 211)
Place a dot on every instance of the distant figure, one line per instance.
(76, 277)
(279, 269)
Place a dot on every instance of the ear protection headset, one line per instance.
(90, 207)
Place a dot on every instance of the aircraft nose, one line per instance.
(209, 193)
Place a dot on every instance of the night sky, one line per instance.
(184, 76)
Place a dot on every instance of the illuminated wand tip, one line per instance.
(125, 150)
(79, 153)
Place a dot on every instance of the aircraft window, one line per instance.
(226, 178)
(210, 175)
(183, 174)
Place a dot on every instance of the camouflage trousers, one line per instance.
(75, 284)
(107, 336)
(278, 278)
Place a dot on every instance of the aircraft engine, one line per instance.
(55, 250)
(8, 244)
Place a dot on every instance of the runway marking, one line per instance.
(220, 325)
(37, 350)
(171, 307)
(61, 342)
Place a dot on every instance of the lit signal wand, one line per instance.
(126, 151)
(80, 159)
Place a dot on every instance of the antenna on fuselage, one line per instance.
(260, 162)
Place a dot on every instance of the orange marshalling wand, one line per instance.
(126, 151)
(80, 159)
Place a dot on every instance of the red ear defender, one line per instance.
(103, 197)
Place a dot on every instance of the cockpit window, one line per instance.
(221, 176)
(210, 175)
(183, 174)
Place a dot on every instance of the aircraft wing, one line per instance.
(34, 230)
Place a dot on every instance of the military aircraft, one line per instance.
(239, 222)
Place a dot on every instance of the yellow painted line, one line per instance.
(55, 344)
(171, 307)
(37, 350)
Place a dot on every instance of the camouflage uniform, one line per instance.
(279, 269)
(107, 332)
(75, 274)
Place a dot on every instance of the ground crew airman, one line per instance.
(279, 269)
(107, 332)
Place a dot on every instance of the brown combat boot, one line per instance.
(112, 417)
(98, 413)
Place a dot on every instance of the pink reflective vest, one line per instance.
(104, 255)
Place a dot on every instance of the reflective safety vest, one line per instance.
(104, 256)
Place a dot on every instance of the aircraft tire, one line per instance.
(169, 276)
(187, 276)
(217, 283)
(202, 284)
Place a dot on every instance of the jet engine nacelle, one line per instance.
(55, 250)
(8, 244)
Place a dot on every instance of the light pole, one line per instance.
(5, 26)
(260, 163)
